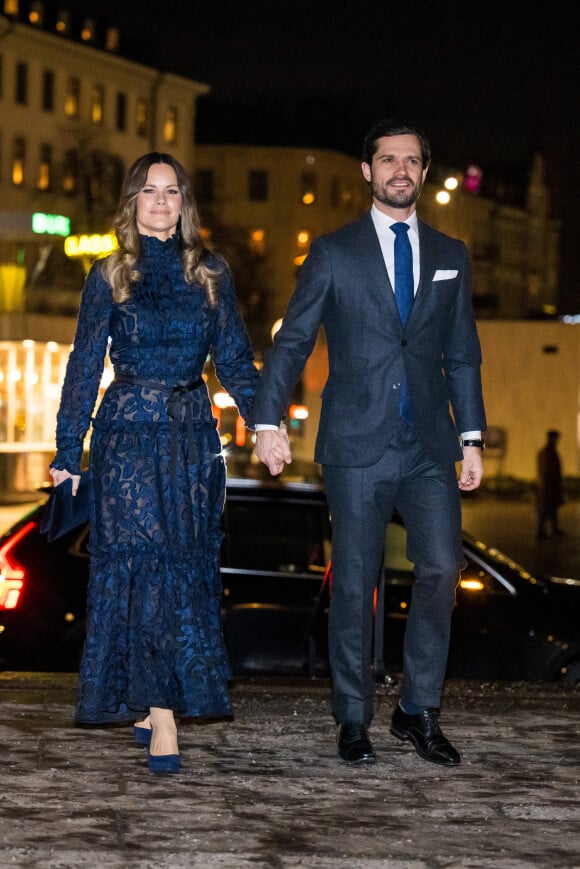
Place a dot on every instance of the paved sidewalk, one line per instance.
(266, 790)
(511, 527)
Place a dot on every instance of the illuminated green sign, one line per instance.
(53, 224)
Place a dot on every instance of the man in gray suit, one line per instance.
(394, 297)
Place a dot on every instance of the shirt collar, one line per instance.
(382, 221)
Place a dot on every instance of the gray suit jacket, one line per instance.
(344, 286)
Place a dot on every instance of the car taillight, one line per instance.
(12, 573)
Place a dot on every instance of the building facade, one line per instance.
(265, 205)
(74, 117)
(531, 383)
(515, 252)
(279, 199)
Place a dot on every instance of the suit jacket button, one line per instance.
(403, 343)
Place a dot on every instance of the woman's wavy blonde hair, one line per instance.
(120, 268)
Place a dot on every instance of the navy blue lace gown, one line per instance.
(154, 633)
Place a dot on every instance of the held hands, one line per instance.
(59, 477)
(471, 469)
(273, 449)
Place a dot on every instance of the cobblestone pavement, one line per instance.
(265, 789)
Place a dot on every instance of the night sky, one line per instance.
(490, 82)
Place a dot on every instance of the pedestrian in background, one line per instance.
(154, 646)
(394, 298)
(550, 494)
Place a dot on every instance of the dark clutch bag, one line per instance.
(64, 511)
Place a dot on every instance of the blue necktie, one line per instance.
(404, 295)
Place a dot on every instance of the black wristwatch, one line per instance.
(473, 442)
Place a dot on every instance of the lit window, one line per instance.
(70, 172)
(88, 30)
(258, 241)
(170, 126)
(112, 39)
(308, 185)
(303, 239)
(72, 98)
(17, 172)
(97, 104)
(36, 14)
(10, 7)
(18, 161)
(44, 168)
(63, 22)
(141, 117)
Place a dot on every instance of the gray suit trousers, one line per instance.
(361, 502)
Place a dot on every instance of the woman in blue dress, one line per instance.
(160, 304)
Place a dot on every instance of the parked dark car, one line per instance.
(277, 579)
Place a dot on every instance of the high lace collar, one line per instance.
(160, 267)
(155, 248)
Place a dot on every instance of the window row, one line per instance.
(258, 185)
(63, 22)
(258, 242)
(97, 102)
(95, 172)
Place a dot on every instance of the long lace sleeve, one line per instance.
(232, 352)
(83, 372)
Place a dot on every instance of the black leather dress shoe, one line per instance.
(354, 745)
(424, 732)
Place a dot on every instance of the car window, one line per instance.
(277, 536)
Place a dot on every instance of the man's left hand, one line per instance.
(471, 469)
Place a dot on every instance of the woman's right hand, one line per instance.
(59, 477)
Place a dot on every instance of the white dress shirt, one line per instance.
(386, 237)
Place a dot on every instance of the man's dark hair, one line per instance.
(394, 127)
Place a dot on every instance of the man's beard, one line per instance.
(397, 199)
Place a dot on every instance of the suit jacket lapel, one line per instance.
(371, 257)
(427, 255)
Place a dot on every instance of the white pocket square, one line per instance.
(445, 274)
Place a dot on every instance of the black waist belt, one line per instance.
(179, 409)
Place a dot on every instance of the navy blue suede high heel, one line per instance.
(163, 762)
(142, 735)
